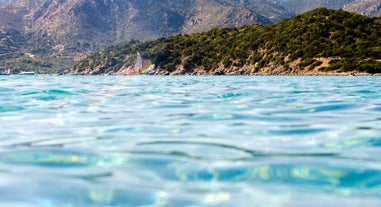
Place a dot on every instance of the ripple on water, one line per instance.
(46, 95)
(354, 143)
(325, 108)
(49, 158)
(313, 171)
(11, 109)
(190, 141)
(376, 109)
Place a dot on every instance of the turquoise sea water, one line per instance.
(68, 141)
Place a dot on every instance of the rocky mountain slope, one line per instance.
(11, 37)
(300, 6)
(53, 34)
(365, 7)
(3, 2)
(317, 42)
(57, 30)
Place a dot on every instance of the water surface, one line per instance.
(190, 141)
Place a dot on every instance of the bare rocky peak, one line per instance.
(4, 2)
(87, 25)
(300, 6)
(365, 7)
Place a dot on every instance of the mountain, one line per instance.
(11, 38)
(300, 6)
(3, 2)
(63, 31)
(365, 7)
(47, 35)
(110, 21)
(368, 7)
(317, 42)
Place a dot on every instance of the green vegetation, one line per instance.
(350, 41)
(60, 32)
(20, 62)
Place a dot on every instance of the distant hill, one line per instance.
(301, 6)
(65, 31)
(321, 41)
(368, 7)
(365, 7)
(87, 25)
(11, 37)
(2, 2)
(48, 35)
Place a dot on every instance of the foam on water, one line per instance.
(190, 141)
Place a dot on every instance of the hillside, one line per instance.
(301, 6)
(11, 39)
(2, 2)
(61, 32)
(317, 42)
(365, 7)
(368, 7)
(51, 35)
